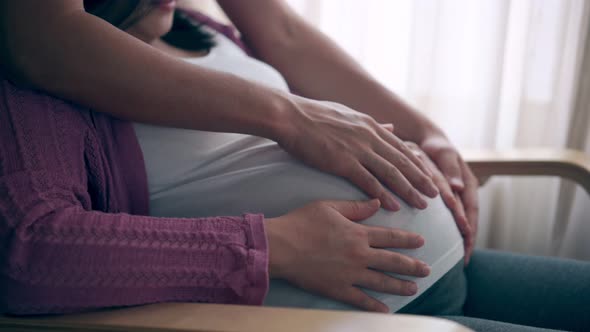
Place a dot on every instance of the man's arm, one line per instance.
(62, 49)
(316, 67)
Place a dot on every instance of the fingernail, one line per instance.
(418, 241)
(383, 308)
(374, 203)
(429, 172)
(392, 204)
(467, 259)
(412, 288)
(457, 183)
(388, 126)
(451, 197)
(432, 191)
(467, 229)
(425, 269)
(421, 203)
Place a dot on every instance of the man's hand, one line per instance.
(341, 141)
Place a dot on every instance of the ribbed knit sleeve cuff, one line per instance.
(257, 267)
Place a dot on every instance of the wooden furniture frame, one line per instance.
(195, 317)
(570, 164)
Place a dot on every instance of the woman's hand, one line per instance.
(322, 249)
(456, 182)
(347, 143)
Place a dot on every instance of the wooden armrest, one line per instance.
(570, 164)
(225, 318)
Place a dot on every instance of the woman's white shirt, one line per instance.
(197, 173)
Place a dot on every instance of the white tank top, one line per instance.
(196, 173)
(227, 57)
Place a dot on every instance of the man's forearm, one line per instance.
(79, 57)
(317, 68)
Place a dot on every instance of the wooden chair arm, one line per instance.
(570, 164)
(176, 317)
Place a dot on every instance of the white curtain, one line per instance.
(493, 74)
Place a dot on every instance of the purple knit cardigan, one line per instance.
(74, 233)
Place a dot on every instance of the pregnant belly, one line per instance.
(194, 174)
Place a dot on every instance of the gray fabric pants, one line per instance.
(509, 292)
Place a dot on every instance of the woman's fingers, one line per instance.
(386, 237)
(469, 195)
(461, 219)
(381, 282)
(388, 126)
(389, 261)
(442, 183)
(358, 298)
(468, 241)
(455, 202)
(446, 158)
(318, 248)
(355, 210)
(450, 199)
(470, 201)
(450, 165)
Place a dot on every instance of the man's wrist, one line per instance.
(425, 130)
(275, 124)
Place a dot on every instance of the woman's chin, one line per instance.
(165, 5)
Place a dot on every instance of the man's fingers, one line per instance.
(363, 179)
(416, 176)
(397, 144)
(356, 210)
(381, 282)
(393, 262)
(395, 180)
(417, 151)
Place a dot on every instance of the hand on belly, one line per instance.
(321, 248)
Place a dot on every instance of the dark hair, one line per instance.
(186, 33)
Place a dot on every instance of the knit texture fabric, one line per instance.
(73, 230)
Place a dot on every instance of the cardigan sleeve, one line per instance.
(57, 257)
(60, 251)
